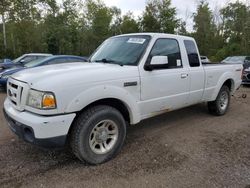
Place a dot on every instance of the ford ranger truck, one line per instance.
(129, 78)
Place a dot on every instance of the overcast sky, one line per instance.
(185, 8)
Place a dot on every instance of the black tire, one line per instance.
(215, 107)
(83, 127)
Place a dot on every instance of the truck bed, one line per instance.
(216, 64)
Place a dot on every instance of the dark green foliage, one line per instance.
(204, 29)
(159, 16)
(129, 24)
(229, 37)
(236, 17)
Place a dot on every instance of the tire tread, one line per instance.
(212, 106)
(81, 121)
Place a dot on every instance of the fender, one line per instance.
(226, 76)
(94, 94)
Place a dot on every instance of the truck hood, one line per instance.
(74, 73)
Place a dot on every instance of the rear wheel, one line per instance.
(98, 134)
(220, 106)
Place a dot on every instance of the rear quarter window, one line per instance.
(192, 52)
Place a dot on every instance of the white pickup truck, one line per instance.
(127, 79)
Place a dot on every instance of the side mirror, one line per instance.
(157, 62)
(22, 61)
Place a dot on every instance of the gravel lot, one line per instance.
(185, 148)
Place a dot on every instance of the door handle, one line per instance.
(184, 75)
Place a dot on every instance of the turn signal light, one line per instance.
(49, 101)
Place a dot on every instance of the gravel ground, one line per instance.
(185, 148)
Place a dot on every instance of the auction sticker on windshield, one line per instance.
(136, 40)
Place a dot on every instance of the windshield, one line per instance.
(124, 50)
(28, 58)
(235, 59)
(35, 62)
(227, 59)
(17, 60)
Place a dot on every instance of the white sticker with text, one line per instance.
(136, 40)
(178, 62)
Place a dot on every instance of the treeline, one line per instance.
(78, 27)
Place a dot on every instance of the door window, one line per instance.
(169, 48)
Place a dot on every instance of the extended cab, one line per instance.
(128, 78)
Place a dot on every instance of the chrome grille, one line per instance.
(15, 93)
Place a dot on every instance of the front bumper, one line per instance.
(44, 131)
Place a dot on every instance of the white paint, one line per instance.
(43, 127)
(77, 85)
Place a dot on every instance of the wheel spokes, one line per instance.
(223, 102)
(103, 137)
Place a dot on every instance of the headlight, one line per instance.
(41, 100)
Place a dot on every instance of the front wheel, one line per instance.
(220, 106)
(98, 134)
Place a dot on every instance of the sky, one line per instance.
(185, 8)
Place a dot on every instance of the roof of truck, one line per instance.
(159, 35)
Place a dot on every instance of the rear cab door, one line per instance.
(196, 72)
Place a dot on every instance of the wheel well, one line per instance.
(229, 83)
(115, 103)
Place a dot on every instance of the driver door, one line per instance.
(166, 88)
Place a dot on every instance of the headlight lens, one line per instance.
(41, 100)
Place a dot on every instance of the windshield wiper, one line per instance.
(104, 60)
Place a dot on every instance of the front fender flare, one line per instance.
(94, 94)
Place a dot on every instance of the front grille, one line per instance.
(15, 91)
